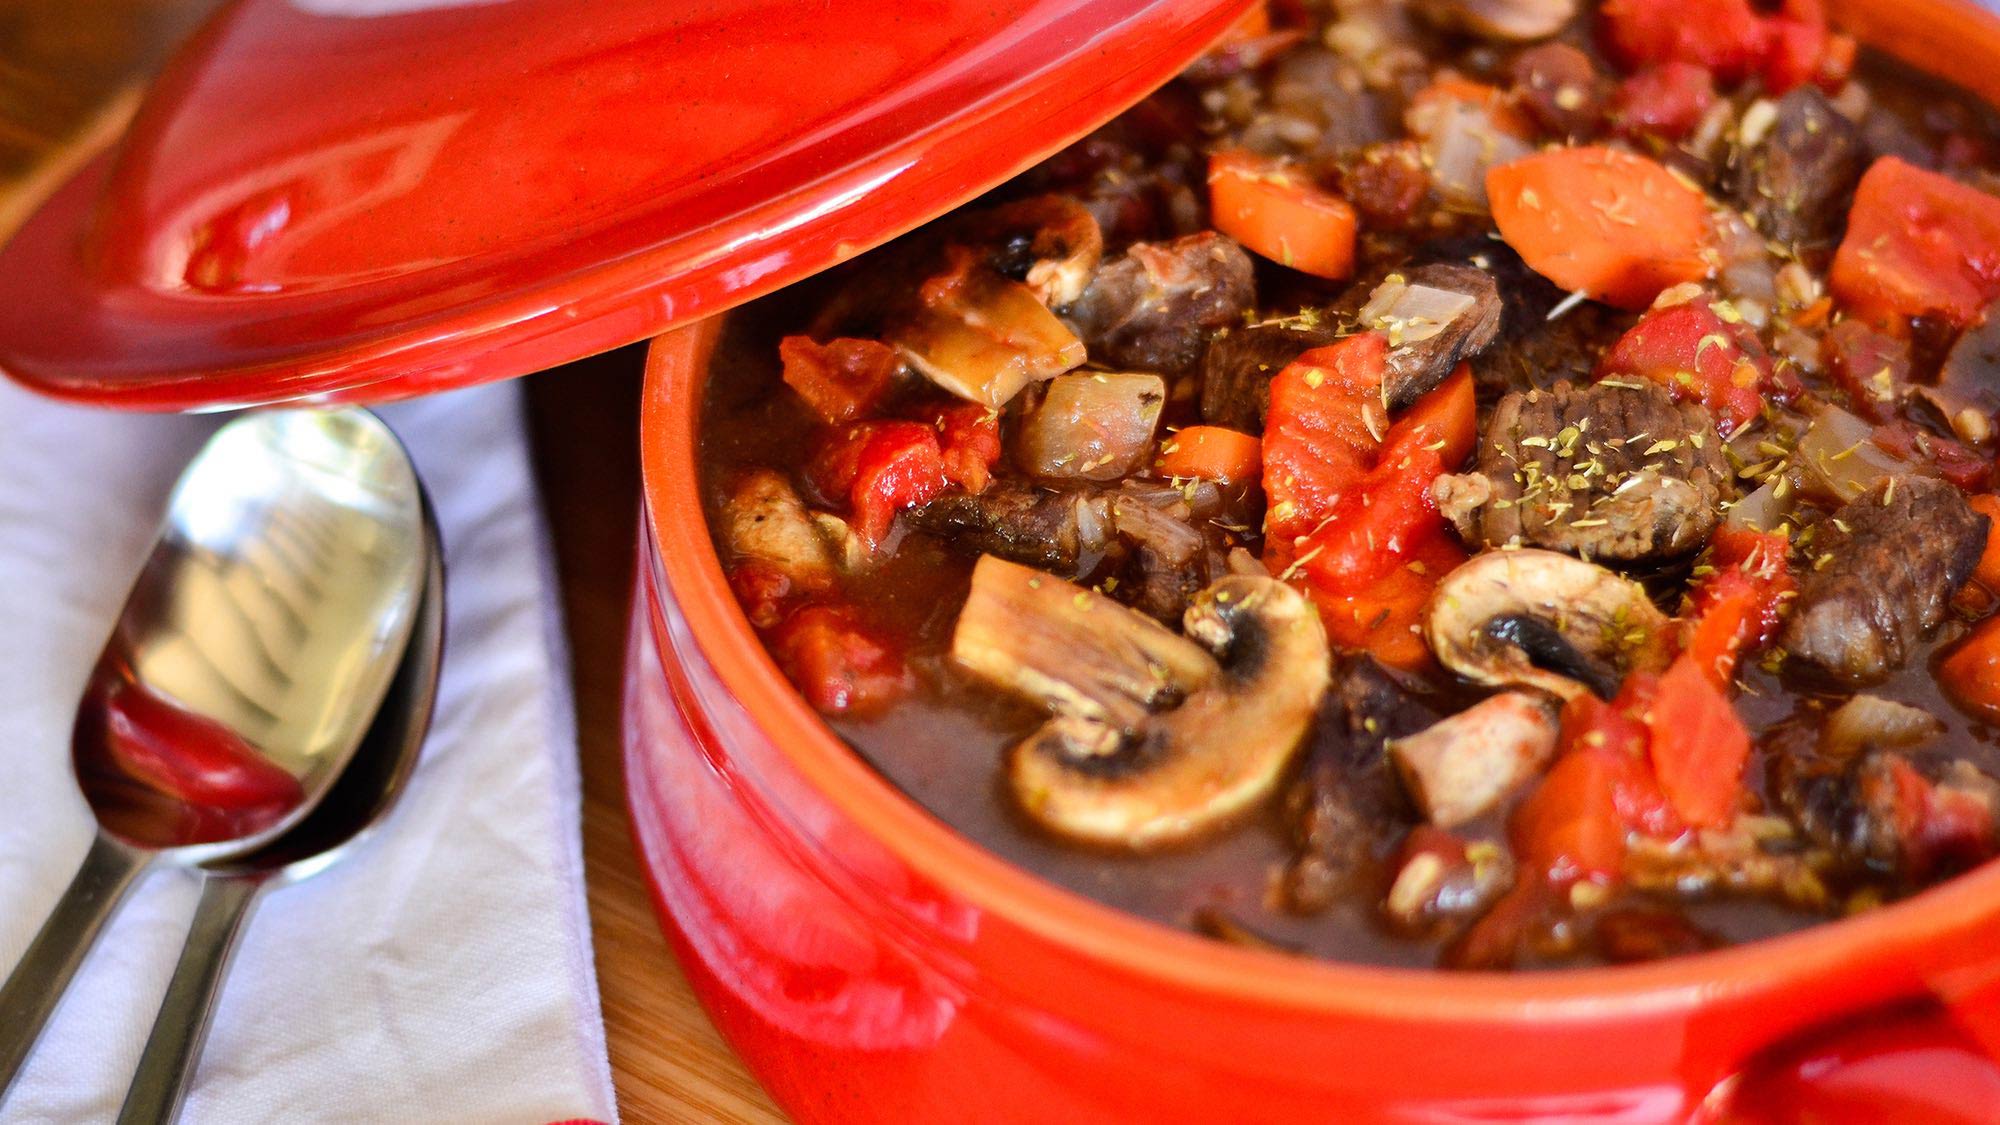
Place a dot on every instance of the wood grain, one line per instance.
(669, 1063)
(70, 73)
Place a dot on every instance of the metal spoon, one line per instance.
(251, 655)
(229, 889)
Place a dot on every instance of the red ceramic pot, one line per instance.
(872, 965)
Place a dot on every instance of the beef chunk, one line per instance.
(1153, 540)
(1238, 366)
(1425, 348)
(1531, 350)
(1064, 531)
(1170, 559)
(1237, 369)
(1559, 86)
(1615, 470)
(1881, 813)
(1153, 307)
(1347, 805)
(1893, 558)
(1797, 181)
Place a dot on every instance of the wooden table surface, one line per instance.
(70, 71)
(668, 1061)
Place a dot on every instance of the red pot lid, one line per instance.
(371, 199)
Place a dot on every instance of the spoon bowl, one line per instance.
(248, 661)
(359, 799)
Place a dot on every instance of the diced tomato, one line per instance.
(880, 468)
(1609, 223)
(1730, 37)
(1665, 101)
(1736, 607)
(840, 665)
(1590, 723)
(1618, 729)
(1494, 939)
(1448, 418)
(1375, 526)
(1379, 549)
(1837, 66)
(1918, 243)
(763, 590)
(1568, 829)
(1970, 672)
(1320, 434)
(1278, 212)
(1872, 366)
(1699, 745)
(1384, 616)
(1691, 351)
(841, 379)
(1937, 825)
(1212, 453)
(969, 437)
(1799, 44)
(1953, 460)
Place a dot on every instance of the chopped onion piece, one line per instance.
(984, 337)
(1091, 426)
(1411, 314)
(1762, 510)
(1460, 141)
(1870, 720)
(1839, 457)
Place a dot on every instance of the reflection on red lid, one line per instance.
(370, 199)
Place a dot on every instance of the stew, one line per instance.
(1481, 483)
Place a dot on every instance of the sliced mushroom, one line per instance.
(1461, 766)
(1149, 745)
(983, 337)
(1540, 619)
(1073, 650)
(1053, 239)
(1511, 21)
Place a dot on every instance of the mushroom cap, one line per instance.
(1189, 769)
(1601, 619)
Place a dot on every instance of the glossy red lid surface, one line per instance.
(370, 199)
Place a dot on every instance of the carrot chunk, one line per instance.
(1604, 222)
(1212, 453)
(1278, 212)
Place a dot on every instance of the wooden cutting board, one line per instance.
(70, 73)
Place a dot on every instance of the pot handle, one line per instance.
(1916, 1064)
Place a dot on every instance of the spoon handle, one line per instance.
(166, 1067)
(36, 985)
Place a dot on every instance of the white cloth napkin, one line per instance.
(442, 972)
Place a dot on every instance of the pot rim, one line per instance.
(1899, 933)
